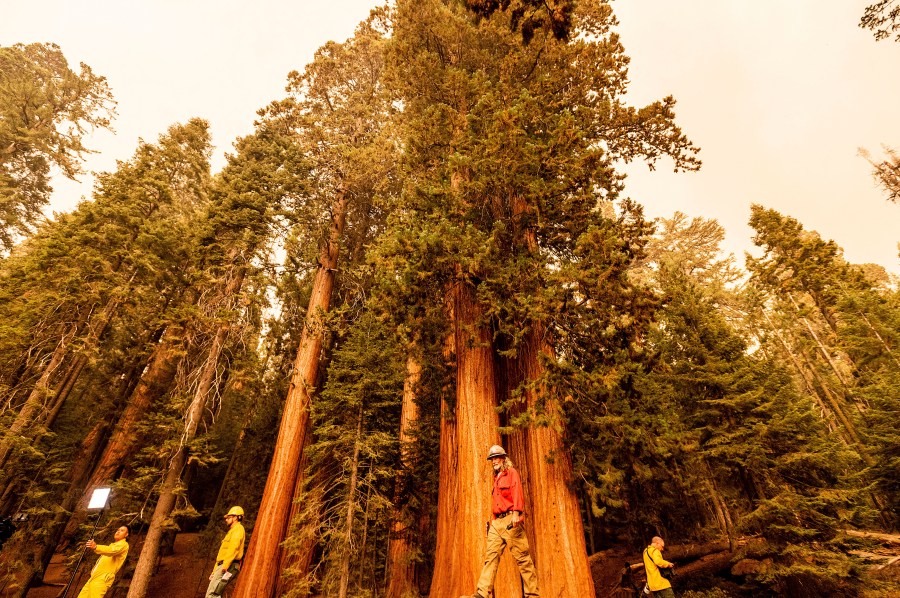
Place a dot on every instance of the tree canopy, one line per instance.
(46, 109)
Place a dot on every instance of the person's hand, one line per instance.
(91, 545)
(515, 519)
(211, 575)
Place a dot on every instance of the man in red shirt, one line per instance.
(506, 527)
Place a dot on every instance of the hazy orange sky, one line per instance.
(779, 94)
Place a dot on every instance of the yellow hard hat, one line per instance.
(237, 511)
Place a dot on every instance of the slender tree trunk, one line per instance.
(849, 433)
(723, 516)
(822, 348)
(351, 510)
(172, 481)
(305, 520)
(36, 397)
(259, 576)
(837, 408)
(155, 382)
(887, 348)
(400, 570)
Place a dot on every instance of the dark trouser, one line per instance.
(666, 593)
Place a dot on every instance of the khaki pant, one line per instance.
(215, 580)
(498, 538)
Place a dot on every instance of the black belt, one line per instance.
(502, 515)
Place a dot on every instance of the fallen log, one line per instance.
(618, 570)
(891, 539)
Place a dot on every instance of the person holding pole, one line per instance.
(112, 557)
(231, 552)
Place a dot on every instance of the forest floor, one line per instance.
(182, 574)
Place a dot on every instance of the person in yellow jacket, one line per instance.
(231, 551)
(104, 572)
(653, 562)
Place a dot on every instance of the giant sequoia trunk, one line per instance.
(304, 522)
(554, 525)
(468, 428)
(259, 576)
(400, 570)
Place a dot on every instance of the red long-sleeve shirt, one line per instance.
(507, 494)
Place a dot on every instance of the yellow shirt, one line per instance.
(652, 562)
(232, 547)
(111, 558)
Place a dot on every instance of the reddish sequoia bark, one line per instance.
(298, 561)
(554, 525)
(401, 571)
(259, 576)
(154, 382)
(465, 477)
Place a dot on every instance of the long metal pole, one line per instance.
(65, 592)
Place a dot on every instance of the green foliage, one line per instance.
(356, 452)
(883, 18)
(887, 171)
(45, 110)
(695, 407)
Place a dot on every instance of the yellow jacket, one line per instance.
(652, 562)
(232, 547)
(111, 558)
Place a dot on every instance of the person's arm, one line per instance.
(231, 544)
(656, 555)
(114, 549)
(517, 495)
